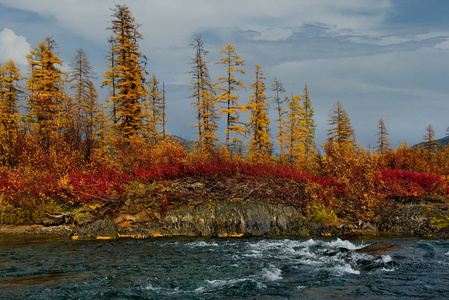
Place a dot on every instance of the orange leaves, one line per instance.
(347, 180)
(139, 154)
(132, 153)
(356, 170)
(372, 179)
(169, 153)
(40, 174)
(417, 159)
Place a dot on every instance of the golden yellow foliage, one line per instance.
(46, 95)
(341, 130)
(125, 76)
(228, 85)
(204, 97)
(259, 144)
(10, 123)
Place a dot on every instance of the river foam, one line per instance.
(187, 268)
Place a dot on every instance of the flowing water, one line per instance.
(286, 268)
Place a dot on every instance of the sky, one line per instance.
(384, 59)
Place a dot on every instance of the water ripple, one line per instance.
(224, 268)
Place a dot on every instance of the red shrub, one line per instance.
(99, 184)
(159, 172)
(403, 183)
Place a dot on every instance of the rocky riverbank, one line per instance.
(224, 219)
(221, 219)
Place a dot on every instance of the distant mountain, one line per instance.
(190, 145)
(442, 142)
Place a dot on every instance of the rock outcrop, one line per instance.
(241, 218)
(231, 219)
(416, 220)
(101, 229)
(218, 219)
(214, 219)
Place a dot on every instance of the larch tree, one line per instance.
(204, 98)
(309, 125)
(278, 88)
(126, 74)
(101, 134)
(164, 113)
(209, 120)
(10, 94)
(383, 145)
(46, 93)
(110, 81)
(153, 111)
(429, 140)
(300, 129)
(341, 130)
(85, 100)
(227, 86)
(294, 130)
(259, 144)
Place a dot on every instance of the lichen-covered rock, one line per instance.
(57, 231)
(250, 218)
(101, 229)
(322, 230)
(47, 222)
(136, 232)
(231, 219)
(413, 220)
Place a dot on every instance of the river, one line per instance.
(256, 268)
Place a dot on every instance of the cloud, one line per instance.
(385, 38)
(171, 22)
(347, 50)
(272, 34)
(13, 47)
(405, 87)
(443, 45)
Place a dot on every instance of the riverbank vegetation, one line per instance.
(346, 181)
(61, 148)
